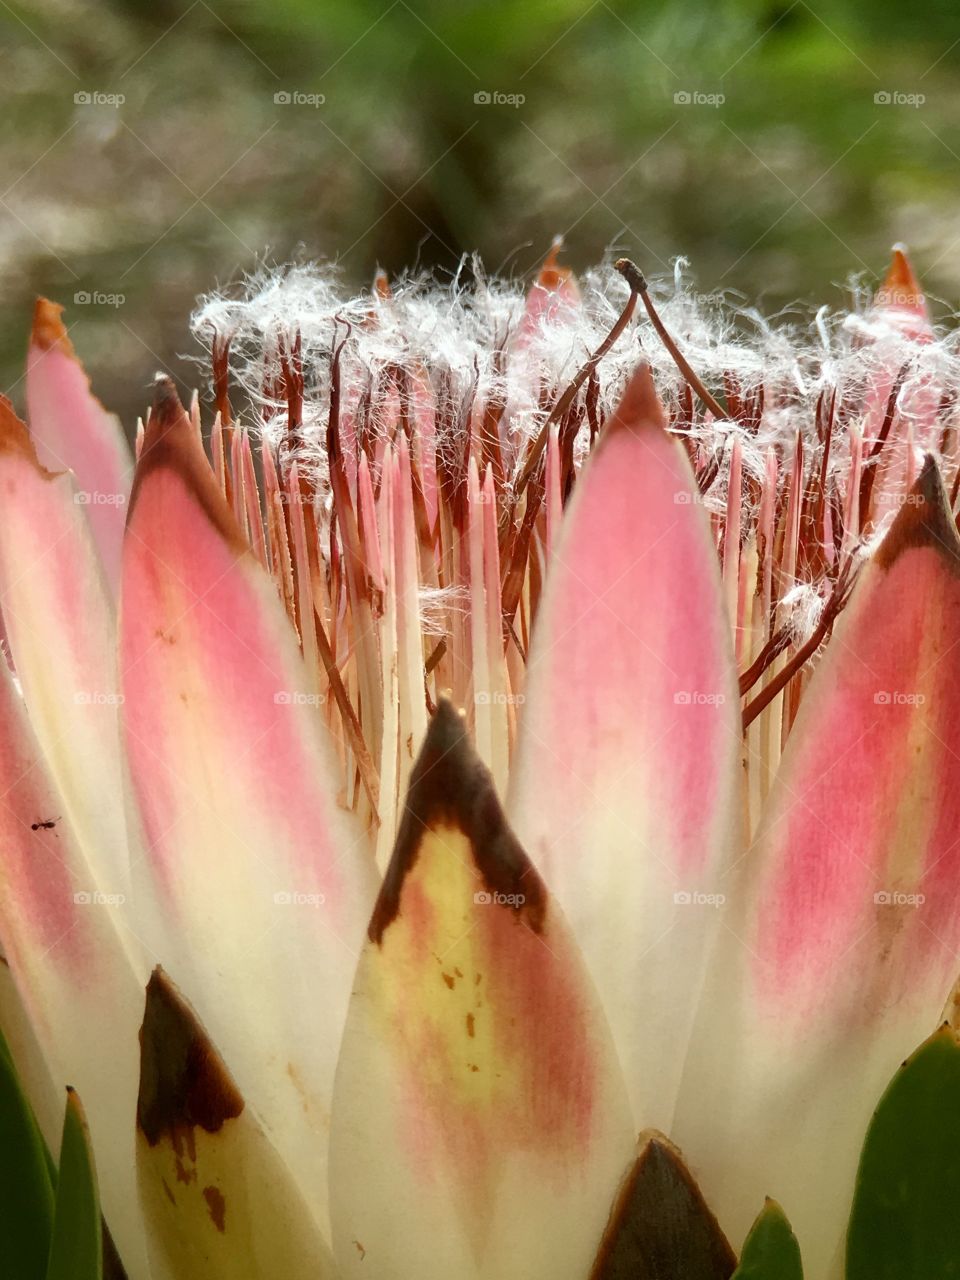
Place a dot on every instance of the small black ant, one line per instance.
(46, 825)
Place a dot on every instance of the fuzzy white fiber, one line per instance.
(452, 332)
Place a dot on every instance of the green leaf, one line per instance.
(26, 1185)
(905, 1223)
(770, 1251)
(76, 1251)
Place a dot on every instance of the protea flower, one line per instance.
(530, 728)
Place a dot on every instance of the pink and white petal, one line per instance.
(261, 886)
(480, 1123)
(625, 785)
(72, 430)
(61, 937)
(61, 628)
(900, 299)
(844, 923)
(554, 297)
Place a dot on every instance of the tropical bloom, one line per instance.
(533, 725)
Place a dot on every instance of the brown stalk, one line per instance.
(770, 651)
(831, 609)
(634, 277)
(870, 466)
(563, 403)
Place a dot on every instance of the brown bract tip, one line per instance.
(167, 411)
(14, 436)
(639, 409)
(450, 786)
(167, 437)
(900, 287)
(924, 520)
(660, 1224)
(552, 275)
(184, 1083)
(170, 442)
(48, 329)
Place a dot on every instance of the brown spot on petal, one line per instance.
(216, 1206)
(184, 1083)
(924, 520)
(450, 786)
(660, 1225)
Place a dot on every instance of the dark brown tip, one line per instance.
(451, 786)
(632, 274)
(48, 329)
(167, 410)
(924, 520)
(660, 1224)
(167, 426)
(552, 276)
(900, 287)
(184, 1083)
(170, 442)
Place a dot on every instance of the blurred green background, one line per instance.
(780, 146)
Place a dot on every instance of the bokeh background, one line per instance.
(155, 149)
